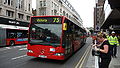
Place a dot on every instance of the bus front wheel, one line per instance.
(12, 43)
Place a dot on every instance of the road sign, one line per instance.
(97, 28)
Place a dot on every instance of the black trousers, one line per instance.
(113, 50)
(104, 63)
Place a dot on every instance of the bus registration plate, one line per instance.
(42, 56)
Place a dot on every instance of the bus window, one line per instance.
(19, 34)
(11, 35)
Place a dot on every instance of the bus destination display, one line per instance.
(47, 20)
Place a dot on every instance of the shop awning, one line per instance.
(112, 19)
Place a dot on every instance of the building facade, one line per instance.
(15, 12)
(57, 7)
(108, 16)
(112, 15)
(99, 15)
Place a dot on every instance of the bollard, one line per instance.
(96, 60)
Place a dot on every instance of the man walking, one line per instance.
(113, 40)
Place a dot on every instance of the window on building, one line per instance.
(43, 11)
(52, 4)
(44, 3)
(20, 16)
(0, 10)
(67, 14)
(5, 2)
(28, 18)
(63, 13)
(67, 3)
(9, 13)
(55, 12)
(12, 3)
(9, 2)
(40, 3)
(52, 12)
(55, 6)
(29, 8)
(61, 10)
(19, 6)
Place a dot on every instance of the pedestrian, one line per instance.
(113, 40)
(104, 51)
(94, 36)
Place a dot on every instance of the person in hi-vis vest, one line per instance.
(113, 41)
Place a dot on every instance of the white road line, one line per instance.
(3, 49)
(8, 48)
(23, 49)
(18, 57)
(83, 57)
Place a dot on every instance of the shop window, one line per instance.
(20, 16)
(28, 18)
(9, 13)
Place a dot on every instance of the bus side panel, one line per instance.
(2, 37)
(21, 40)
(18, 36)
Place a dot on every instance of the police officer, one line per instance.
(113, 41)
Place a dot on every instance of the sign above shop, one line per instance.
(7, 21)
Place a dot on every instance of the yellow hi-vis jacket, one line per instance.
(113, 40)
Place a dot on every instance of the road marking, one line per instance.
(18, 57)
(83, 58)
(23, 49)
(8, 48)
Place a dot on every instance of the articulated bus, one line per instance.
(13, 36)
(54, 37)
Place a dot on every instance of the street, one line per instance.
(15, 57)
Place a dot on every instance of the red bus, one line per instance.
(54, 37)
(13, 36)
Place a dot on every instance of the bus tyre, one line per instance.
(12, 43)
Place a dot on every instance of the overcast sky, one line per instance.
(83, 7)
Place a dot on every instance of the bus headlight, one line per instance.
(59, 54)
(52, 49)
(30, 51)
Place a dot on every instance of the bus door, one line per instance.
(67, 40)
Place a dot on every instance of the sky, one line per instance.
(83, 7)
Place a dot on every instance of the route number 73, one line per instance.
(56, 20)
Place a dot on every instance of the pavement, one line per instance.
(115, 62)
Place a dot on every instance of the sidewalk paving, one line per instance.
(115, 62)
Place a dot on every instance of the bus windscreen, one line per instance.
(45, 32)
